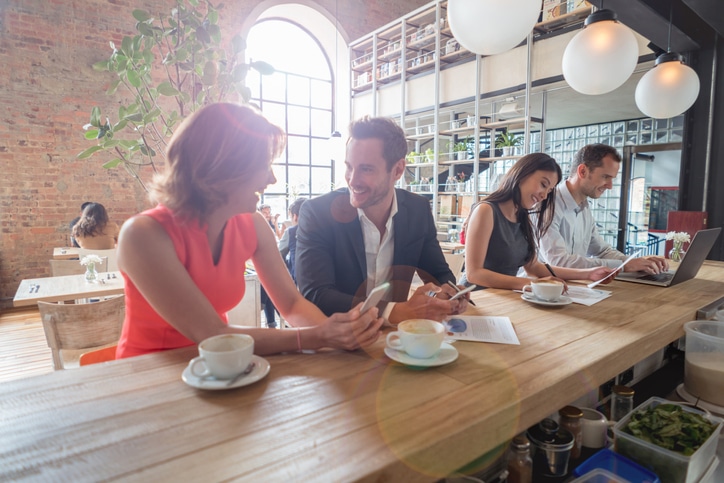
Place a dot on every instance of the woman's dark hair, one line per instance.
(92, 221)
(509, 189)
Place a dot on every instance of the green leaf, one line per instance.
(91, 134)
(240, 72)
(111, 143)
(128, 144)
(113, 163)
(127, 46)
(213, 16)
(203, 35)
(262, 67)
(136, 117)
(215, 33)
(88, 152)
(144, 29)
(113, 87)
(141, 15)
(101, 66)
(133, 78)
(245, 92)
(95, 119)
(210, 73)
(166, 89)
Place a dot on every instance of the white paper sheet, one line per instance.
(586, 296)
(476, 328)
(633, 255)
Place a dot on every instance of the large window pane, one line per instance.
(299, 180)
(321, 180)
(322, 94)
(298, 90)
(298, 148)
(273, 87)
(298, 120)
(321, 123)
(275, 113)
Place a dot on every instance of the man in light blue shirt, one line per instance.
(573, 239)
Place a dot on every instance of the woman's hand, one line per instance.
(351, 330)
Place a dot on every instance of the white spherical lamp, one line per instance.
(668, 89)
(601, 56)
(489, 27)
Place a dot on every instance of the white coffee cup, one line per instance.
(223, 356)
(594, 427)
(419, 338)
(548, 290)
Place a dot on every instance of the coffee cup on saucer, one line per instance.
(223, 356)
(546, 290)
(419, 338)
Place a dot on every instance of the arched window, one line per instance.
(299, 97)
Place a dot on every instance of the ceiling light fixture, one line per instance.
(600, 57)
(670, 88)
(489, 27)
(336, 148)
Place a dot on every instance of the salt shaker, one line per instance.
(621, 402)
(520, 464)
(570, 419)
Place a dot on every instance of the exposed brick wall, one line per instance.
(47, 90)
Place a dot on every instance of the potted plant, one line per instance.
(430, 155)
(461, 150)
(507, 141)
(412, 157)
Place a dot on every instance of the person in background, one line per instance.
(353, 239)
(265, 210)
(183, 261)
(573, 239)
(500, 237)
(94, 231)
(288, 242)
(74, 221)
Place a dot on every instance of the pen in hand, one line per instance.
(458, 290)
(550, 270)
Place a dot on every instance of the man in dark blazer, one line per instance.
(355, 238)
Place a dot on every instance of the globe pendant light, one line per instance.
(489, 27)
(600, 57)
(670, 88)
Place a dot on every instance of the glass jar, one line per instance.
(570, 419)
(520, 464)
(621, 402)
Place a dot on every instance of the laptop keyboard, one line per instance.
(659, 277)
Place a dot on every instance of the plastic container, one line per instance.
(600, 476)
(704, 360)
(612, 463)
(670, 466)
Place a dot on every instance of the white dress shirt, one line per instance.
(573, 240)
(379, 251)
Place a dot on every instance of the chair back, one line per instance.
(455, 261)
(111, 265)
(59, 268)
(81, 327)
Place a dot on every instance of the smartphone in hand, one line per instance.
(375, 296)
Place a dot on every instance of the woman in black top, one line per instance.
(500, 237)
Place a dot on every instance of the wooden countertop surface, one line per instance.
(337, 416)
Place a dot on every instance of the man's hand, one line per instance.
(651, 265)
(428, 302)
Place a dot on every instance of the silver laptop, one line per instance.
(688, 268)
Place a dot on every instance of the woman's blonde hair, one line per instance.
(210, 153)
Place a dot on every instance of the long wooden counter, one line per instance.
(337, 416)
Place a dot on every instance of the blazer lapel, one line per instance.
(347, 216)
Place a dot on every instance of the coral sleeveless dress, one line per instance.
(144, 331)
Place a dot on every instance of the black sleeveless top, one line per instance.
(507, 249)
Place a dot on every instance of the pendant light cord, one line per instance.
(671, 19)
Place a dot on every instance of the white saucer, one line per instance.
(446, 355)
(533, 299)
(261, 369)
